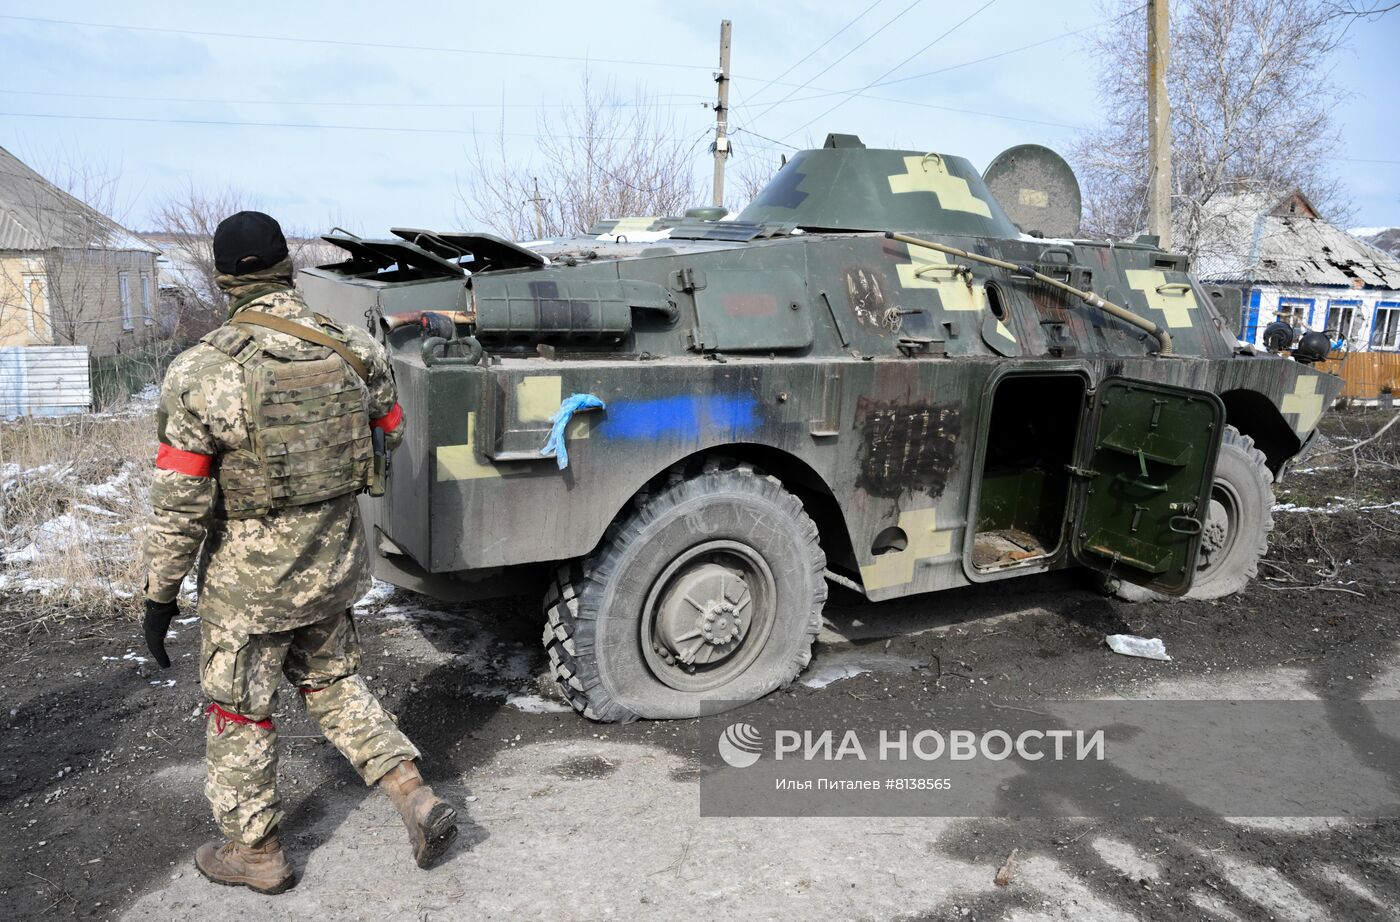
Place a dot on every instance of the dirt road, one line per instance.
(101, 771)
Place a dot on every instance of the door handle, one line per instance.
(1142, 484)
(1184, 525)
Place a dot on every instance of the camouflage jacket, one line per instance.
(295, 566)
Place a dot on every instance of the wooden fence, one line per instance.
(44, 380)
(1364, 373)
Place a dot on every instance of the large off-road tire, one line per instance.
(1237, 527)
(639, 628)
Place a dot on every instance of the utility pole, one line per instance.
(722, 112)
(1159, 124)
(539, 211)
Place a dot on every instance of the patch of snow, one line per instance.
(1334, 508)
(537, 704)
(847, 664)
(112, 488)
(96, 510)
(57, 534)
(379, 592)
(13, 474)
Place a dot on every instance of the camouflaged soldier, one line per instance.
(266, 434)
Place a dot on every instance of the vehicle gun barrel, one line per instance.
(1164, 339)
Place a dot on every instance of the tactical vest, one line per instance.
(308, 424)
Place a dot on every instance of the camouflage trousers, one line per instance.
(240, 675)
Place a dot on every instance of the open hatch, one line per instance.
(1127, 482)
(1030, 447)
(1146, 482)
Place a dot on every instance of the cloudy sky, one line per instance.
(360, 114)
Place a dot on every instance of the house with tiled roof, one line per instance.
(1292, 265)
(69, 275)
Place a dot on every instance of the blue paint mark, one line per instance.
(682, 416)
(1251, 328)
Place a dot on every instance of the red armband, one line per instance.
(222, 718)
(389, 421)
(170, 458)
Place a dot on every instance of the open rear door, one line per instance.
(1146, 479)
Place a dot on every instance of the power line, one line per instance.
(339, 103)
(243, 124)
(935, 106)
(843, 57)
(346, 43)
(863, 93)
(1010, 51)
(766, 138)
(962, 22)
(837, 34)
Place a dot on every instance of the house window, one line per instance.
(1385, 330)
(36, 299)
(1343, 322)
(124, 288)
(147, 308)
(1296, 312)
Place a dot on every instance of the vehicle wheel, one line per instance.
(706, 594)
(1238, 523)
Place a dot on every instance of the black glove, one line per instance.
(156, 624)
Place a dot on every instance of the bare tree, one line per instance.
(607, 157)
(186, 222)
(1251, 101)
(747, 176)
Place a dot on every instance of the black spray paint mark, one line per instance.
(906, 447)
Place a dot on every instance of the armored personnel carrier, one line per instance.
(870, 377)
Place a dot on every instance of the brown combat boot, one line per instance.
(261, 867)
(431, 821)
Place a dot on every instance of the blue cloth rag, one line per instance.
(554, 446)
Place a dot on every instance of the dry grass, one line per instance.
(72, 503)
(1350, 492)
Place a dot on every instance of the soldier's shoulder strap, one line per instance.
(231, 341)
(304, 333)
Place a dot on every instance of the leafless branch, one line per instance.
(1252, 105)
(594, 161)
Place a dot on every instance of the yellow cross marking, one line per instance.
(630, 226)
(459, 462)
(1306, 402)
(925, 541)
(1003, 331)
(537, 398)
(1174, 302)
(1034, 198)
(931, 175)
(931, 269)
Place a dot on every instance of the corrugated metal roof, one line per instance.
(37, 215)
(1243, 238)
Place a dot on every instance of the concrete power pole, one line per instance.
(539, 211)
(1159, 124)
(722, 113)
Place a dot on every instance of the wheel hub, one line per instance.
(703, 616)
(1217, 527)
